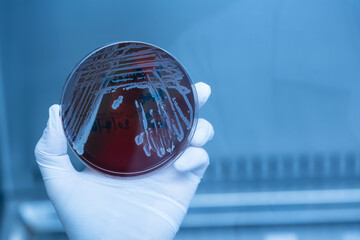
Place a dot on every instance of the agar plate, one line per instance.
(128, 109)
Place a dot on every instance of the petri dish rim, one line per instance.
(160, 165)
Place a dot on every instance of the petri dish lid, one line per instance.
(128, 109)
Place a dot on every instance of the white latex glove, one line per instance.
(91, 205)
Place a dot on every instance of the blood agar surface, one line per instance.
(128, 109)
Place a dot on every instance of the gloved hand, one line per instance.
(91, 205)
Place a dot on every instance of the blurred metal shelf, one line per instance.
(283, 171)
(234, 209)
(276, 198)
(271, 217)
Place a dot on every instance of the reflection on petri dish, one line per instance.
(128, 109)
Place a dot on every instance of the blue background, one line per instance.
(285, 104)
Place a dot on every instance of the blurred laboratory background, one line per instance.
(285, 105)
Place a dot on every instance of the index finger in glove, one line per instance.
(203, 93)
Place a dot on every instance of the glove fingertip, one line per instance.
(53, 140)
(212, 132)
(193, 159)
(54, 109)
(203, 91)
(54, 117)
(204, 132)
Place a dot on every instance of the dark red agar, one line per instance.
(128, 109)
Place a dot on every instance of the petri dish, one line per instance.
(129, 109)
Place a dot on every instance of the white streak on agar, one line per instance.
(158, 81)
